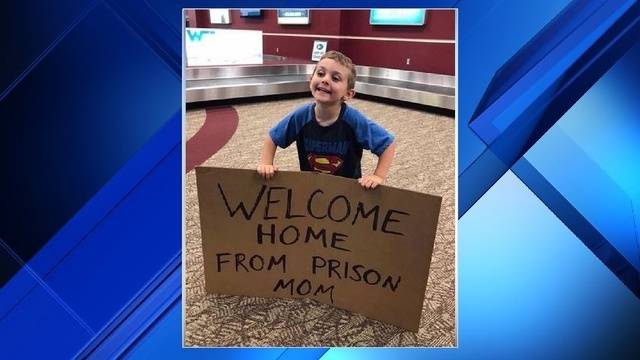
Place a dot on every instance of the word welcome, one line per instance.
(337, 209)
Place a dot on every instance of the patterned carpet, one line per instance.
(425, 162)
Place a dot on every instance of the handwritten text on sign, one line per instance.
(317, 236)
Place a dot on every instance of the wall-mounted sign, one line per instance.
(219, 16)
(319, 48)
(293, 16)
(207, 46)
(397, 16)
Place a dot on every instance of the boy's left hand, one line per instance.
(370, 181)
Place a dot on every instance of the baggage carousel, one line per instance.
(238, 81)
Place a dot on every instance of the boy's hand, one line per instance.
(267, 171)
(370, 181)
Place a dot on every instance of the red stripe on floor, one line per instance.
(219, 126)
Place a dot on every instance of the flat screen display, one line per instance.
(250, 12)
(293, 16)
(413, 17)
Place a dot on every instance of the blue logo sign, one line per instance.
(196, 35)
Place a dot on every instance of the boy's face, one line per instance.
(329, 82)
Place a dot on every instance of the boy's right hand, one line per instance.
(267, 171)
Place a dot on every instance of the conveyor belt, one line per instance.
(217, 89)
(217, 83)
(407, 85)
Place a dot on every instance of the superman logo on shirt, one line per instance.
(326, 164)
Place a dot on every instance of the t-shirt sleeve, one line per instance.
(286, 131)
(369, 135)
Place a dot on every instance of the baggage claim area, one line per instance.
(246, 69)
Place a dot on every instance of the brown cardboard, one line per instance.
(374, 265)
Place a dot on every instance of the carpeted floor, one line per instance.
(425, 162)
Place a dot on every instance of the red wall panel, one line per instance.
(325, 22)
(202, 19)
(439, 24)
(424, 56)
(294, 47)
(190, 16)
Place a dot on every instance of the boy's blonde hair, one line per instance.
(345, 61)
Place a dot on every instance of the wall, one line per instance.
(190, 18)
(423, 55)
(349, 31)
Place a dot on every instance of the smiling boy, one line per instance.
(329, 134)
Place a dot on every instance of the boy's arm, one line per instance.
(382, 169)
(384, 162)
(266, 169)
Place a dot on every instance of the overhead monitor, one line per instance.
(293, 16)
(413, 17)
(250, 12)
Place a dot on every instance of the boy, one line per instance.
(329, 134)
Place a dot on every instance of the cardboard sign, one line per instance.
(309, 235)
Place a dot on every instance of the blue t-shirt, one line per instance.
(335, 149)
